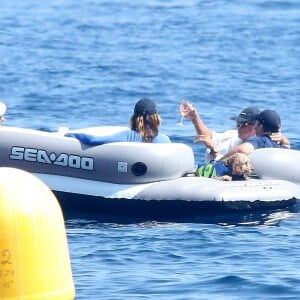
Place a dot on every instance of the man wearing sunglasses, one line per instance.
(268, 124)
(219, 144)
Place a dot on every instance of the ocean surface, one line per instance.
(85, 63)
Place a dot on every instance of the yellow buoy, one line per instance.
(34, 253)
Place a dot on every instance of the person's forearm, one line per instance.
(200, 127)
(245, 148)
(204, 134)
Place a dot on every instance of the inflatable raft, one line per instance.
(144, 181)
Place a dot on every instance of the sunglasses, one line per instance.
(244, 124)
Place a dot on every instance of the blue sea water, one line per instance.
(85, 63)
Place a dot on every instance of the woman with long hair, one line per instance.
(144, 128)
(145, 123)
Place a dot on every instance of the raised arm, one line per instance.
(203, 133)
(191, 113)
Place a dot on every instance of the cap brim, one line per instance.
(239, 119)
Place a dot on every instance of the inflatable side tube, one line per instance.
(276, 163)
(94, 140)
(124, 162)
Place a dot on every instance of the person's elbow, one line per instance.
(245, 148)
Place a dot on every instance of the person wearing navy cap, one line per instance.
(220, 143)
(269, 122)
(145, 122)
(144, 127)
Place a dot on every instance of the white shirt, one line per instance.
(224, 141)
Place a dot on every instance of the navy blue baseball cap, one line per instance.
(247, 114)
(145, 107)
(270, 120)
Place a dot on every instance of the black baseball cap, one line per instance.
(145, 106)
(247, 114)
(270, 120)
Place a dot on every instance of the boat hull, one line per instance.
(184, 198)
(129, 211)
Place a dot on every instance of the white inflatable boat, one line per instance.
(144, 181)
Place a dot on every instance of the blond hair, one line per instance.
(147, 126)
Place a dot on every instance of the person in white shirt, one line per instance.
(268, 122)
(220, 143)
